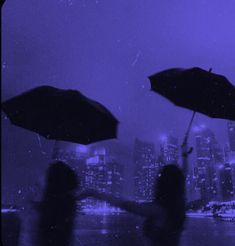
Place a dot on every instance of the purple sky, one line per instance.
(107, 49)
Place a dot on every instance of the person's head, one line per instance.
(61, 179)
(170, 186)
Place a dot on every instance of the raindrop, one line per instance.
(4, 65)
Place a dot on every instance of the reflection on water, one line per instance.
(127, 229)
(208, 231)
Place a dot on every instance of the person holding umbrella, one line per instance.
(165, 215)
(198, 90)
(57, 209)
(61, 115)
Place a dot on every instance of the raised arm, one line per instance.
(144, 209)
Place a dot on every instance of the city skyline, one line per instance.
(210, 177)
(107, 53)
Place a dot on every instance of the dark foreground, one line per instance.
(126, 229)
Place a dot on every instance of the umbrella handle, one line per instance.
(188, 130)
(185, 151)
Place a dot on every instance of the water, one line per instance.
(127, 230)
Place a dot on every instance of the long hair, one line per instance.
(61, 180)
(58, 206)
(170, 193)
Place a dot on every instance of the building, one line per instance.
(169, 150)
(145, 170)
(231, 135)
(114, 177)
(226, 182)
(103, 173)
(209, 156)
(96, 171)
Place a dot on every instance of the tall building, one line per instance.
(114, 177)
(226, 182)
(226, 152)
(145, 170)
(231, 135)
(209, 157)
(96, 171)
(103, 172)
(169, 150)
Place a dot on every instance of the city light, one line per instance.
(163, 138)
(82, 148)
(198, 128)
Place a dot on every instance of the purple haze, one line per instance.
(107, 49)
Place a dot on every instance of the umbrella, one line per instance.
(196, 89)
(58, 114)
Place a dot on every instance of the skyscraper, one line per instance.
(145, 170)
(103, 172)
(96, 171)
(114, 177)
(226, 182)
(209, 156)
(231, 135)
(169, 150)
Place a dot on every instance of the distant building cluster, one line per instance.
(211, 174)
(148, 164)
(98, 167)
(145, 170)
(211, 171)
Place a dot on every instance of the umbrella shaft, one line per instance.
(188, 130)
(185, 151)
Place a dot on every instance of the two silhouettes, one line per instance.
(164, 216)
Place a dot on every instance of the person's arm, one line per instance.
(146, 210)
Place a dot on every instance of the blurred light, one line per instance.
(104, 231)
(82, 148)
(199, 128)
(163, 138)
(202, 126)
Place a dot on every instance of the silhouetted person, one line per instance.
(165, 216)
(10, 227)
(57, 210)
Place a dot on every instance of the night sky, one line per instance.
(106, 49)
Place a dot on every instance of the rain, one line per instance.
(107, 50)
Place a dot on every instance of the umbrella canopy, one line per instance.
(58, 114)
(196, 89)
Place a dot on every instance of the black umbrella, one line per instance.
(58, 114)
(196, 89)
